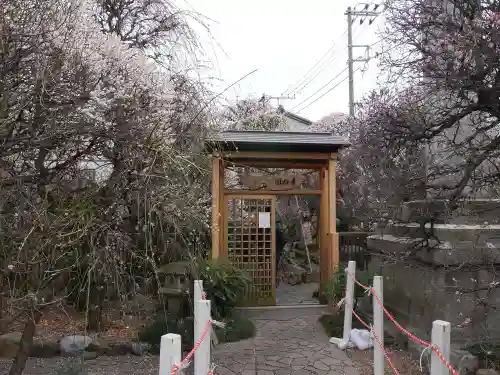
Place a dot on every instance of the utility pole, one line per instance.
(363, 14)
(350, 61)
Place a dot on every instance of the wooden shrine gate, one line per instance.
(251, 244)
(243, 220)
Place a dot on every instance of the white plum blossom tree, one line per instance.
(81, 91)
(253, 114)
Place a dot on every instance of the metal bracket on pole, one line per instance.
(351, 13)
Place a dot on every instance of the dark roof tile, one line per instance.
(275, 141)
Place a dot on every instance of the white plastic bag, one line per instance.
(361, 339)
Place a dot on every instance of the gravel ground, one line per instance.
(402, 361)
(147, 365)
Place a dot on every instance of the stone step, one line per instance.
(477, 211)
(443, 253)
(452, 233)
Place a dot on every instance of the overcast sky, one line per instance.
(284, 39)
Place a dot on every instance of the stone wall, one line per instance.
(453, 279)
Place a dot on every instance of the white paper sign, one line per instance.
(264, 220)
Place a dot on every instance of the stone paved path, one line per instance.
(301, 294)
(288, 342)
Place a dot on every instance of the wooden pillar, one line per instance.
(223, 212)
(333, 237)
(216, 205)
(323, 228)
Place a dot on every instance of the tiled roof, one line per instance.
(275, 141)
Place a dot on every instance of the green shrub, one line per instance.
(225, 285)
(334, 324)
(335, 288)
(164, 323)
(488, 353)
(237, 328)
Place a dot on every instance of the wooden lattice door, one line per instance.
(251, 244)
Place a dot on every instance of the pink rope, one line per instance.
(377, 339)
(415, 338)
(195, 347)
(365, 287)
(399, 326)
(404, 330)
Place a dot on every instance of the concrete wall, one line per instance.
(419, 294)
(454, 279)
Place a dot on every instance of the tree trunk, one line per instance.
(19, 363)
(95, 320)
(3, 305)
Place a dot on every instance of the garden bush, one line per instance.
(237, 328)
(335, 288)
(488, 353)
(225, 285)
(333, 324)
(164, 323)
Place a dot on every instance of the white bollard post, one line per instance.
(170, 352)
(441, 334)
(348, 306)
(378, 326)
(202, 355)
(198, 291)
(351, 274)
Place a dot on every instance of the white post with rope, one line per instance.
(378, 326)
(441, 334)
(202, 357)
(350, 278)
(197, 294)
(170, 352)
(348, 301)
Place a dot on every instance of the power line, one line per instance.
(304, 78)
(327, 63)
(352, 14)
(321, 88)
(334, 87)
(327, 92)
(307, 82)
(317, 91)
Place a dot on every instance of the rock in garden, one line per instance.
(9, 344)
(99, 345)
(139, 348)
(74, 345)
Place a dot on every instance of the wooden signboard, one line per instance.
(256, 182)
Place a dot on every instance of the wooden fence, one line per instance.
(353, 247)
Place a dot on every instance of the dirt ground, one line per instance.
(402, 361)
(58, 322)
